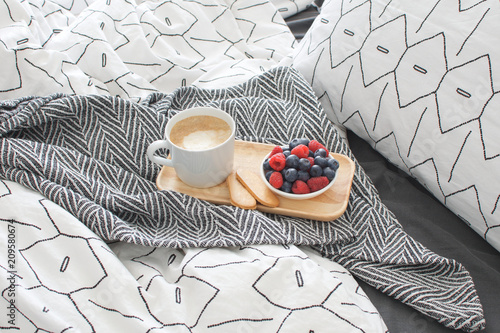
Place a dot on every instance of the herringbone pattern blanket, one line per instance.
(87, 153)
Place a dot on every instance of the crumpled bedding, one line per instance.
(69, 279)
(145, 61)
(87, 154)
(128, 49)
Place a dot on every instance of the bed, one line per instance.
(90, 244)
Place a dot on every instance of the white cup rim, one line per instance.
(202, 111)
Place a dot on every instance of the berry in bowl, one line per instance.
(303, 169)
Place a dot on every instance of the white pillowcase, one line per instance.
(289, 8)
(418, 80)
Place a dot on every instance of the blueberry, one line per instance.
(304, 164)
(304, 141)
(316, 171)
(286, 187)
(266, 165)
(321, 161)
(294, 143)
(268, 174)
(285, 147)
(329, 173)
(298, 141)
(291, 175)
(292, 161)
(320, 152)
(287, 153)
(333, 164)
(303, 175)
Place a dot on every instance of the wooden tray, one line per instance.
(325, 207)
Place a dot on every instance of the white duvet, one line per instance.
(59, 276)
(118, 47)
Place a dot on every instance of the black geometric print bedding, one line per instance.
(87, 154)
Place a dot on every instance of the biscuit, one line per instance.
(257, 188)
(239, 196)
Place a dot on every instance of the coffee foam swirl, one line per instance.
(200, 132)
(205, 139)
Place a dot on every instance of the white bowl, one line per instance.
(293, 195)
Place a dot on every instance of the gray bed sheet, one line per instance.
(300, 22)
(429, 222)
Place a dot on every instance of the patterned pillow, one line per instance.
(418, 80)
(289, 8)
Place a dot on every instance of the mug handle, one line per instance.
(153, 147)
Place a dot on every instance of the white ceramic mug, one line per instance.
(197, 168)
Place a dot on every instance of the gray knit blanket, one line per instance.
(88, 154)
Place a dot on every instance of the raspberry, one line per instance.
(311, 159)
(301, 151)
(277, 161)
(315, 145)
(276, 150)
(300, 187)
(317, 183)
(276, 179)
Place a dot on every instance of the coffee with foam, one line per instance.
(200, 132)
